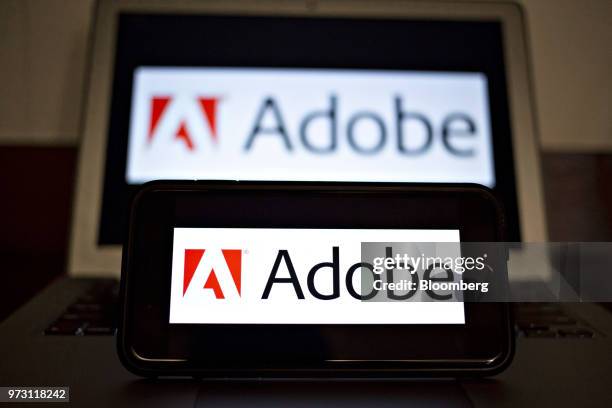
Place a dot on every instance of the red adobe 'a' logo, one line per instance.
(233, 259)
(207, 106)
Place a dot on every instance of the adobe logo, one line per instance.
(207, 107)
(233, 263)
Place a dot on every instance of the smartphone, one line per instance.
(297, 280)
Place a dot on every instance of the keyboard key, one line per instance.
(576, 333)
(98, 330)
(540, 333)
(65, 327)
(533, 326)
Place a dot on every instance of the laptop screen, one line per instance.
(306, 99)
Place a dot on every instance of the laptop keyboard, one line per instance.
(548, 320)
(95, 313)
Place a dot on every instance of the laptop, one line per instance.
(296, 91)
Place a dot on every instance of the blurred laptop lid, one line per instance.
(325, 91)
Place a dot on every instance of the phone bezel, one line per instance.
(149, 346)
